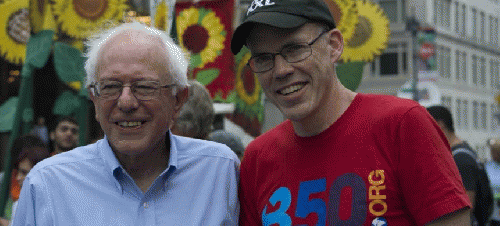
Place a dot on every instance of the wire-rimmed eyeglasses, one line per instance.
(291, 53)
(142, 90)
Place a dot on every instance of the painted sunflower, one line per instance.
(80, 18)
(160, 19)
(15, 31)
(345, 14)
(201, 34)
(370, 35)
(247, 86)
(41, 16)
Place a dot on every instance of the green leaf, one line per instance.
(207, 76)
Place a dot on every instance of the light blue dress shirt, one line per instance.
(88, 186)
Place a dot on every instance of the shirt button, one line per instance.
(145, 205)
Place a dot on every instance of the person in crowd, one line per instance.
(40, 130)
(493, 170)
(466, 163)
(229, 139)
(340, 158)
(197, 114)
(64, 136)
(140, 173)
(28, 150)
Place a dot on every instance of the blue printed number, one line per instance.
(280, 217)
(306, 206)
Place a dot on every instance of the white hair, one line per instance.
(177, 62)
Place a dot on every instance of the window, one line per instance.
(444, 61)
(461, 66)
(446, 101)
(482, 71)
(464, 66)
(493, 31)
(464, 18)
(474, 69)
(484, 117)
(459, 114)
(394, 10)
(392, 62)
(475, 115)
(442, 13)
(482, 31)
(494, 117)
(458, 63)
(457, 17)
(465, 114)
(473, 24)
(494, 74)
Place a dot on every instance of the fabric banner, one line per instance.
(204, 30)
(249, 109)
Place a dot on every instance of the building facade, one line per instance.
(467, 54)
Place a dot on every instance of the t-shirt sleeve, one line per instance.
(429, 177)
(467, 167)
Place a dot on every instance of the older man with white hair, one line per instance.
(140, 173)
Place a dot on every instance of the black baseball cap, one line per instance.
(282, 14)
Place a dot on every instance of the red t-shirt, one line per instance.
(384, 160)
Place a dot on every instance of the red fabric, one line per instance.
(15, 188)
(224, 83)
(382, 152)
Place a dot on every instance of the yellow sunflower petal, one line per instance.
(371, 34)
(82, 20)
(345, 15)
(211, 23)
(13, 44)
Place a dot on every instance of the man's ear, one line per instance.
(94, 101)
(181, 97)
(52, 136)
(336, 41)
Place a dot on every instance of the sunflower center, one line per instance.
(248, 80)
(362, 33)
(90, 9)
(195, 38)
(18, 26)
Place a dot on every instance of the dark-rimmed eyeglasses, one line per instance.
(142, 90)
(291, 53)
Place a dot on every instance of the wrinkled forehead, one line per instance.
(135, 45)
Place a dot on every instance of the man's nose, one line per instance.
(127, 101)
(281, 67)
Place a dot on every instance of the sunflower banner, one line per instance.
(249, 109)
(204, 31)
(15, 31)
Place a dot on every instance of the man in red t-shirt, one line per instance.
(341, 158)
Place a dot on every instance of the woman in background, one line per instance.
(29, 150)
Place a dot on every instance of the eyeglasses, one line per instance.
(292, 54)
(142, 90)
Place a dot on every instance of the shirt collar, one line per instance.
(116, 169)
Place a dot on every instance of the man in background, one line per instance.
(493, 170)
(466, 163)
(65, 134)
(196, 115)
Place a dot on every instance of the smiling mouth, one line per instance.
(129, 124)
(291, 89)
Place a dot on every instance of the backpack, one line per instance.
(483, 206)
